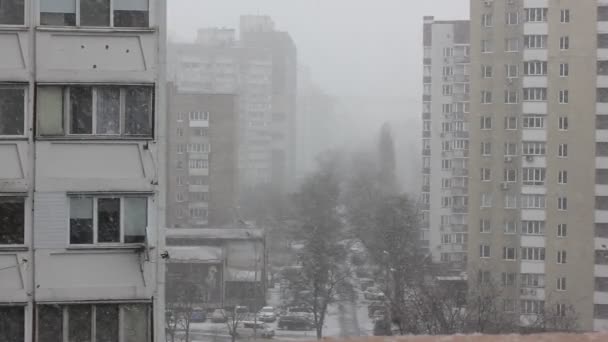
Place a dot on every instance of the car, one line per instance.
(267, 314)
(378, 315)
(373, 307)
(256, 328)
(241, 310)
(297, 318)
(219, 316)
(198, 315)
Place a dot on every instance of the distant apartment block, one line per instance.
(445, 142)
(202, 154)
(82, 193)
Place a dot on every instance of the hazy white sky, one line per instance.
(353, 47)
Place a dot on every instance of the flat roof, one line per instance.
(215, 233)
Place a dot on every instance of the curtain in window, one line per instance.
(108, 110)
(136, 219)
(49, 107)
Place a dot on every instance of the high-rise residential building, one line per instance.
(538, 203)
(202, 152)
(445, 141)
(260, 68)
(82, 155)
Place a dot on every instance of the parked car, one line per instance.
(219, 316)
(261, 329)
(297, 318)
(198, 315)
(366, 283)
(241, 310)
(267, 314)
(373, 307)
(373, 294)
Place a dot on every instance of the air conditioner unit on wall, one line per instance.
(529, 158)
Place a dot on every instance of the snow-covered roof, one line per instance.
(215, 233)
(207, 254)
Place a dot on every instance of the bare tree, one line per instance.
(181, 299)
(233, 320)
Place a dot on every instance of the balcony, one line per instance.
(460, 97)
(459, 209)
(460, 134)
(459, 172)
(426, 152)
(461, 78)
(459, 228)
(460, 153)
(462, 59)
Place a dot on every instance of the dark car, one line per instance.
(373, 307)
(198, 315)
(295, 321)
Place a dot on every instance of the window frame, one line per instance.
(562, 230)
(506, 255)
(26, 10)
(95, 228)
(26, 220)
(66, 114)
(26, 115)
(111, 24)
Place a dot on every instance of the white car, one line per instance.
(267, 314)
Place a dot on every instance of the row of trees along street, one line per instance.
(354, 197)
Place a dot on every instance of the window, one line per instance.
(510, 122)
(511, 97)
(446, 108)
(181, 148)
(533, 176)
(511, 70)
(12, 110)
(535, 94)
(486, 46)
(512, 18)
(510, 175)
(446, 164)
(486, 175)
(533, 122)
(564, 43)
(100, 13)
(562, 150)
(180, 132)
(510, 201)
(447, 90)
(562, 203)
(198, 196)
(198, 163)
(100, 220)
(535, 41)
(564, 70)
(198, 148)
(198, 213)
(533, 202)
(560, 309)
(426, 126)
(180, 164)
(486, 97)
(533, 148)
(448, 52)
(532, 307)
(12, 12)
(486, 149)
(199, 131)
(12, 220)
(561, 284)
(508, 253)
(511, 45)
(486, 200)
(510, 149)
(180, 180)
(562, 177)
(561, 257)
(98, 322)
(602, 13)
(447, 71)
(484, 226)
(446, 202)
(532, 280)
(99, 110)
(510, 227)
(508, 279)
(535, 14)
(486, 20)
(486, 122)
(180, 197)
(565, 16)
(486, 71)
(533, 253)
(562, 230)
(199, 116)
(533, 227)
(484, 276)
(12, 321)
(563, 123)
(535, 68)
(484, 251)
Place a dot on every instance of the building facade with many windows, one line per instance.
(445, 141)
(82, 127)
(537, 212)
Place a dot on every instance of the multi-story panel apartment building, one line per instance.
(82, 130)
(537, 167)
(445, 142)
(202, 159)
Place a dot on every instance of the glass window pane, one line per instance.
(136, 323)
(12, 120)
(79, 323)
(131, 13)
(58, 12)
(49, 105)
(106, 323)
(12, 12)
(136, 219)
(108, 220)
(94, 12)
(12, 213)
(81, 110)
(50, 323)
(108, 110)
(138, 111)
(12, 325)
(81, 220)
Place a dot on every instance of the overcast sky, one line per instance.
(353, 47)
